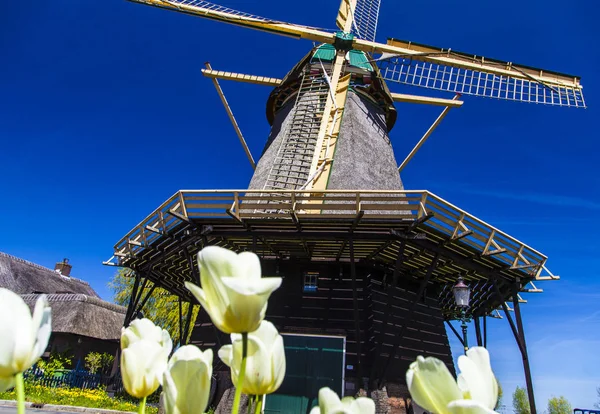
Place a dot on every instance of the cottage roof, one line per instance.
(24, 277)
(83, 315)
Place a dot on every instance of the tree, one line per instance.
(559, 405)
(162, 307)
(520, 401)
(597, 405)
(500, 394)
(95, 361)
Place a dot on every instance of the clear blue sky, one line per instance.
(104, 114)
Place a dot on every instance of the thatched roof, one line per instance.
(24, 277)
(83, 315)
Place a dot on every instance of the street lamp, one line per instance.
(462, 294)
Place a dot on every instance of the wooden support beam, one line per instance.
(409, 314)
(526, 367)
(478, 331)
(508, 316)
(232, 119)
(355, 310)
(143, 302)
(427, 134)
(402, 97)
(180, 322)
(193, 268)
(179, 216)
(463, 234)
(493, 252)
(420, 220)
(154, 230)
(188, 321)
(132, 299)
(388, 311)
(484, 331)
(241, 77)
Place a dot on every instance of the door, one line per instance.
(312, 362)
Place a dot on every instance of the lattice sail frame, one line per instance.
(366, 16)
(416, 64)
(523, 85)
(470, 82)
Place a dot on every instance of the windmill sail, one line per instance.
(366, 15)
(446, 70)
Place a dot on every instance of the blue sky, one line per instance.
(104, 114)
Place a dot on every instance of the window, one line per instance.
(310, 281)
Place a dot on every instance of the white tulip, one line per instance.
(265, 361)
(23, 337)
(233, 293)
(145, 352)
(330, 403)
(186, 382)
(432, 386)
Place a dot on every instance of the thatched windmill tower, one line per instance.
(368, 267)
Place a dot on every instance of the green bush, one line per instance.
(95, 361)
(54, 364)
(97, 398)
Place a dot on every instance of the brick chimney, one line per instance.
(64, 268)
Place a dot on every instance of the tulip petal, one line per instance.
(42, 328)
(142, 366)
(363, 405)
(431, 385)
(468, 407)
(225, 354)
(248, 301)
(216, 262)
(279, 362)
(16, 332)
(476, 378)
(257, 378)
(6, 383)
(214, 312)
(187, 381)
(247, 266)
(328, 400)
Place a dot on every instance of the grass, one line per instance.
(97, 398)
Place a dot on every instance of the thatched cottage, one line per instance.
(81, 321)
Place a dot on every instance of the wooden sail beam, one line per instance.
(394, 47)
(402, 97)
(427, 134)
(232, 119)
(241, 77)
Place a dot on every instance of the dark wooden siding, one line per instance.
(330, 311)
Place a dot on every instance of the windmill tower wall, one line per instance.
(364, 158)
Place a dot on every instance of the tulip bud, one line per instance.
(433, 387)
(186, 382)
(265, 363)
(145, 351)
(23, 337)
(233, 293)
(329, 403)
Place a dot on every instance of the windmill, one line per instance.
(363, 259)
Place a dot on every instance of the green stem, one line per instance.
(238, 386)
(259, 400)
(20, 388)
(251, 401)
(142, 407)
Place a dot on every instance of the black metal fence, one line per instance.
(75, 378)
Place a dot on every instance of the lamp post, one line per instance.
(462, 294)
